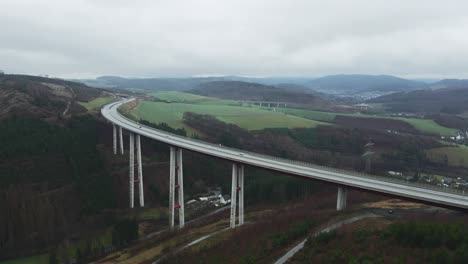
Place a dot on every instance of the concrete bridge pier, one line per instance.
(121, 141)
(139, 180)
(176, 168)
(233, 195)
(237, 186)
(341, 198)
(180, 180)
(131, 178)
(114, 138)
(240, 171)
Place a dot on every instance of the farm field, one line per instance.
(422, 125)
(428, 126)
(97, 103)
(173, 114)
(456, 155)
(313, 115)
(191, 98)
(245, 117)
(179, 96)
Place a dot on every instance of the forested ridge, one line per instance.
(403, 241)
(51, 176)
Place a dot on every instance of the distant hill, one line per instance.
(363, 85)
(237, 90)
(357, 86)
(182, 84)
(149, 84)
(450, 84)
(41, 97)
(273, 81)
(293, 87)
(451, 101)
(51, 165)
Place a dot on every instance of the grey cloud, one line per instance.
(86, 38)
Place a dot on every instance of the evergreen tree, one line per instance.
(79, 257)
(53, 257)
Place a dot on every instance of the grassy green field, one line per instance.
(191, 98)
(456, 155)
(313, 115)
(245, 117)
(97, 103)
(180, 96)
(428, 126)
(173, 114)
(423, 125)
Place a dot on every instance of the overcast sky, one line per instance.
(154, 38)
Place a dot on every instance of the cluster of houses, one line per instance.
(409, 115)
(457, 183)
(212, 197)
(460, 138)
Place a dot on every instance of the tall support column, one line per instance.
(241, 194)
(131, 177)
(114, 138)
(344, 197)
(341, 198)
(180, 189)
(140, 172)
(233, 195)
(172, 169)
(121, 141)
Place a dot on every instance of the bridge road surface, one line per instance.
(430, 194)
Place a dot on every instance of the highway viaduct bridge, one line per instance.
(268, 104)
(424, 193)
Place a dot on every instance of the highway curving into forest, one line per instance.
(425, 193)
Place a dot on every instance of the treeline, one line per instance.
(124, 231)
(343, 140)
(260, 241)
(400, 242)
(323, 145)
(164, 127)
(238, 90)
(216, 131)
(42, 97)
(262, 186)
(429, 234)
(51, 177)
